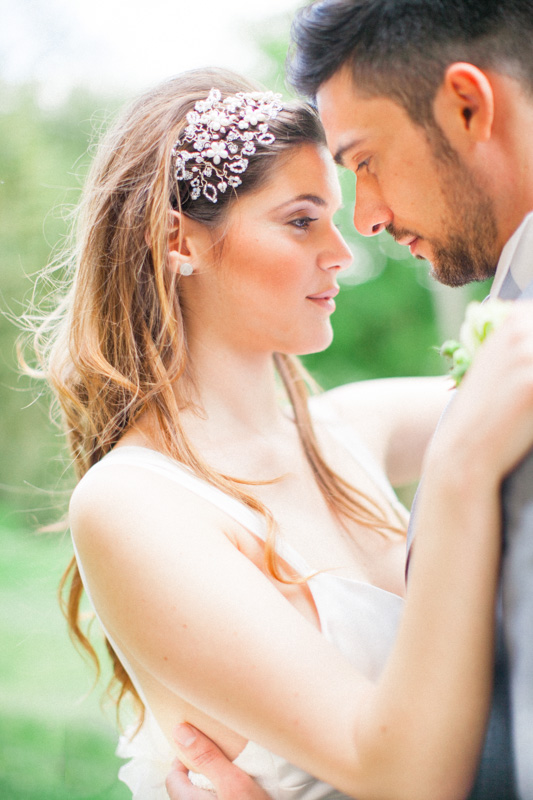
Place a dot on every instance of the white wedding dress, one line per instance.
(360, 619)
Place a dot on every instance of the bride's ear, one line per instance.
(180, 244)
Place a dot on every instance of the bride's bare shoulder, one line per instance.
(123, 497)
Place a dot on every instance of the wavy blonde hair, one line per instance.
(116, 346)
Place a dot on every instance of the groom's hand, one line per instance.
(203, 756)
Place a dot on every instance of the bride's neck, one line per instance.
(235, 393)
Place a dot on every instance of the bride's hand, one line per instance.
(492, 413)
(204, 757)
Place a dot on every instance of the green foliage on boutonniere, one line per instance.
(480, 320)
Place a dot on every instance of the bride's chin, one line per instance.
(317, 346)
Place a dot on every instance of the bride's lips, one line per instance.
(325, 299)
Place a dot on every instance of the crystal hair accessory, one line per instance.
(224, 133)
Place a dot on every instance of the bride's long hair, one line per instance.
(116, 347)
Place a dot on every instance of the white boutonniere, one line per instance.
(480, 320)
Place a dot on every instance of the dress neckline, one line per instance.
(248, 518)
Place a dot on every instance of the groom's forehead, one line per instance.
(337, 105)
(350, 115)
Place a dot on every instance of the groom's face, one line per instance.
(410, 183)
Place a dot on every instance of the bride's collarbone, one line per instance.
(324, 540)
(284, 481)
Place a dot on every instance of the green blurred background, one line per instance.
(55, 740)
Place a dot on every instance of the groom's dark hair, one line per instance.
(400, 48)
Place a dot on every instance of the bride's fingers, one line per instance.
(493, 409)
(202, 756)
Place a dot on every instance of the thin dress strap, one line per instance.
(168, 467)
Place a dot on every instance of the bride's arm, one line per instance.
(206, 623)
(395, 417)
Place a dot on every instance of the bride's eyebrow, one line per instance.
(310, 198)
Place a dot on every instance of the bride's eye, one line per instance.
(303, 222)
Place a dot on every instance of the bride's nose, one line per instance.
(337, 255)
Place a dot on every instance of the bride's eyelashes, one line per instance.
(302, 223)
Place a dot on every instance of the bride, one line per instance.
(241, 546)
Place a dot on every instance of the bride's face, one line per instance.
(272, 285)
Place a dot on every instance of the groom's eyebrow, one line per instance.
(339, 155)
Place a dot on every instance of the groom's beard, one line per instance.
(469, 251)
(468, 248)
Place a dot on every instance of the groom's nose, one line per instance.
(371, 214)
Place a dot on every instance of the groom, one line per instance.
(430, 104)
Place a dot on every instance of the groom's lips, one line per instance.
(412, 245)
(410, 242)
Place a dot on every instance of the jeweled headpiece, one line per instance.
(223, 134)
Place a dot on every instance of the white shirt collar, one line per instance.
(516, 257)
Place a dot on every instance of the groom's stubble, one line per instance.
(468, 248)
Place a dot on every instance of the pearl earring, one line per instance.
(186, 268)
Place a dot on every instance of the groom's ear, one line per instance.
(464, 106)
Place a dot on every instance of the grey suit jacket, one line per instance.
(495, 778)
(506, 767)
(517, 598)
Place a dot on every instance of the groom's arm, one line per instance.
(204, 757)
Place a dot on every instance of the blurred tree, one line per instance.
(42, 162)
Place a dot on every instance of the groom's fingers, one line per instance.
(179, 787)
(202, 756)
